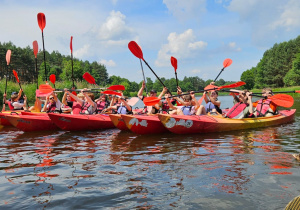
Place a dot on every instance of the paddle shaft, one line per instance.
(219, 73)
(44, 56)
(176, 78)
(37, 74)
(144, 76)
(72, 69)
(4, 98)
(291, 91)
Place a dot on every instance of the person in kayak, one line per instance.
(150, 109)
(165, 105)
(122, 108)
(83, 103)
(187, 102)
(212, 104)
(265, 107)
(15, 102)
(102, 103)
(52, 104)
(243, 107)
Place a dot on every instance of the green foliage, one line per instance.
(248, 77)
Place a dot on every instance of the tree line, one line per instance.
(279, 67)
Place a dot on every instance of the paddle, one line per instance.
(42, 23)
(52, 79)
(46, 89)
(137, 52)
(174, 64)
(150, 101)
(227, 62)
(8, 55)
(90, 79)
(35, 51)
(17, 78)
(71, 48)
(291, 91)
(110, 92)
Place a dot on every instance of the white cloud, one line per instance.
(196, 71)
(109, 63)
(185, 10)
(82, 51)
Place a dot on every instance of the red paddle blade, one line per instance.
(151, 101)
(89, 78)
(35, 47)
(110, 92)
(174, 62)
(52, 78)
(227, 62)
(41, 20)
(16, 76)
(74, 93)
(44, 88)
(71, 45)
(211, 87)
(8, 54)
(297, 91)
(201, 99)
(234, 85)
(233, 93)
(117, 87)
(135, 49)
(282, 100)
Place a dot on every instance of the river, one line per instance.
(249, 169)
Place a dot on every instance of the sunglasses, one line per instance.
(51, 98)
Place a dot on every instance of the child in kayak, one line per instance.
(102, 103)
(212, 104)
(165, 105)
(83, 103)
(265, 107)
(15, 102)
(187, 107)
(122, 108)
(243, 107)
(52, 104)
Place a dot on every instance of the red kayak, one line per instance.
(118, 122)
(3, 120)
(144, 124)
(79, 122)
(184, 124)
(28, 123)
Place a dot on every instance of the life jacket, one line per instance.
(186, 110)
(236, 111)
(210, 106)
(52, 107)
(101, 105)
(165, 107)
(11, 107)
(76, 108)
(263, 107)
(85, 108)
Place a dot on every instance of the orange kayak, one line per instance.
(183, 124)
(118, 122)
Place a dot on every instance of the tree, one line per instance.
(292, 78)
(248, 77)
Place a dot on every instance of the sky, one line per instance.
(200, 34)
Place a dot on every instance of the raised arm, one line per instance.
(140, 93)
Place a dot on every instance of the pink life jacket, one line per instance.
(100, 105)
(52, 107)
(85, 107)
(11, 107)
(236, 111)
(262, 107)
(76, 108)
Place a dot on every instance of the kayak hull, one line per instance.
(29, 123)
(183, 124)
(118, 122)
(144, 124)
(3, 120)
(78, 122)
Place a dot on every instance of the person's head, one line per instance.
(153, 93)
(267, 92)
(91, 95)
(14, 96)
(243, 96)
(214, 94)
(51, 98)
(68, 97)
(103, 97)
(187, 100)
(80, 96)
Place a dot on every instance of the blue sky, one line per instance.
(199, 33)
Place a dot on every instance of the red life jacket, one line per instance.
(76, 108)
(101, 105)
(236, 111)
(52, 107)
(11, 107)
(263, 107)
(165, 107)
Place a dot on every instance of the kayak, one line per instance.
(118, 122)
(80, 122)
(184, 124)
(3, 120)
(144, 124)
(28, 123)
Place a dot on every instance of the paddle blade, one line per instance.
(135, 49)
(227, 62)
(16, 76)
(41, 20)
(110, 92)
(151, 101)
(38, 93)
(297, 91)
(74, 93)
(174, 63)
(44, 88)
(201, 99)
(8, 54)
(234, 85)
(35, 48)
(211, 87)
(52, 78)
(117, 87)
(71, 45)
(282, 100)
(89, 78)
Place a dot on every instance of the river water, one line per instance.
(250, 169)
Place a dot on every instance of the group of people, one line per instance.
(184, 104)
